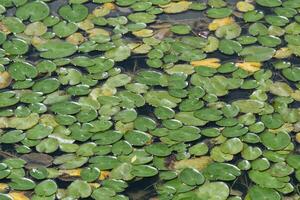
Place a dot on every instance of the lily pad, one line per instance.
(221, 171)
(74, 12)
(275, 141)
(35, 11)
(271, 3)
(119, 53)
(56, 49)
(46, 188)
(260, 193)
(208, 191)
(257, 53)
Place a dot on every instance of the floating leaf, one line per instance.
(257, 53)
(56, 49)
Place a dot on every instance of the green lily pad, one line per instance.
(249, 106)
(48, 145)
(257, 53)
(74, 12)
(232, 146)
(90, 174)
(66, 108)
(144, 171)
(79, 189)
(22, 70)
(161, 98)
(38, 132)
(250, 152)
(46, 86)
(137, 138)
(181, 29)
(185, 134)
(275, 141)
(22, 184)
(46, 188)
(142, 17)
(229, 47)
(208, 191)
(158, 149)
(15, 46)
(56, 49)
(191, 177)
(260, 193)
(118, 80)
(293, 161)
(11, 137)
(35, 11)
(281, 169)
(229, 32)
(104, 162)
(64, 29)
(271, 3)
(264, 179)
(107, 137)
(292, 74)
(14, 24)
(221, 171)
(208, 114)
(219, 12)
(119, 53)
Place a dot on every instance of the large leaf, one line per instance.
(257, 53)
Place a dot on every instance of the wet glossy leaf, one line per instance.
(219, 12)
(73, 13)
(79, 189)
(249, 106)
(257, 53)
(56, 49)
(191, 177)
(22, 184)
(46, 188)
(275, 141)
(264, 179)
(15, 46)
(271, 3)
(260, 193)
(35, 11)
(119, 53)
(221, 171)
(208, 191)
(144, 171)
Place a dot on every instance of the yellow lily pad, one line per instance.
(216, 23)
(177, 7)
(143, 33)
(97, 31)
(250, 66)
(197, 163)
(298, 138)
(5, 79)
(283, 52)
(76, 38)
(18, 196)
(87, 24)
(209, 62)
(23, 123)
(35, 28)
(3, 187)
(244, 6)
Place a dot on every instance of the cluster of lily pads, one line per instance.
(100, 95)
